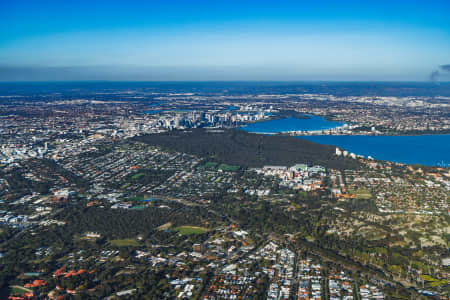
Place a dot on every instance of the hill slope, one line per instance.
(238, 147)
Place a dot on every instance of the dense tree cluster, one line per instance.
(236, 147)
(125, 223)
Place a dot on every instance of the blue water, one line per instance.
(431, 150)
(289, 124)
(149, 200)
(152, 112)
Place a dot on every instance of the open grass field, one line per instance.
(432, 282)
(124, 243)
(137, 198)
(361, 194)
(18, 290)
(188, 230)
(210, 165)
(225, 167)
(138, 175)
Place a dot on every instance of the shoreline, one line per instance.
(362, 134)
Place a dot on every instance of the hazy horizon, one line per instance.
(318, 81)
(224, 41)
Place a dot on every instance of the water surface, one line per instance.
(291, 124)
(431, 150)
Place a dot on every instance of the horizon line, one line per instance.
(226, 81)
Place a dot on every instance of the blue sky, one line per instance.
(223, 40)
